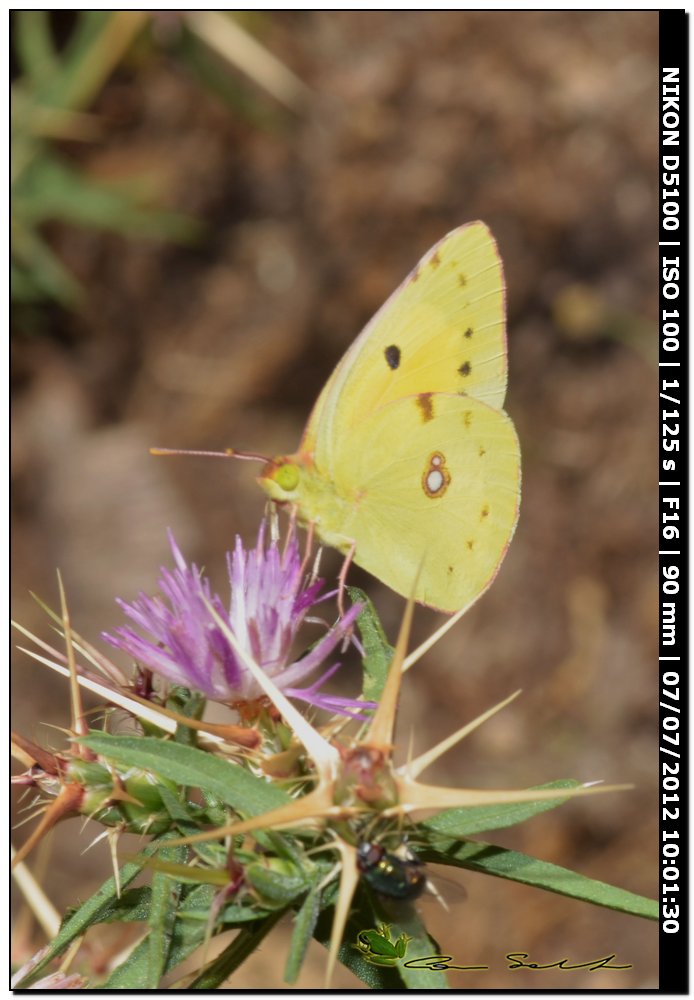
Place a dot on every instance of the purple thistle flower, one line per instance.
(268, 605)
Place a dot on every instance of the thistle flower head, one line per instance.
(269, 602)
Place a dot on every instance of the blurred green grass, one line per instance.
(54, 90)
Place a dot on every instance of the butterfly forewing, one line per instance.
(443, 330)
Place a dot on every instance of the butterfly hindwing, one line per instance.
(434, 481)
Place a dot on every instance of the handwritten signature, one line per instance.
(516, 960)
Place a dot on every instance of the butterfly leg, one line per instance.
(310, 532)
(343, 577)
(291, 530)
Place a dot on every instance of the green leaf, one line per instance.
(197, 908)
(243, 945)
(132, 974)
(190, 704)
(34, 45)
(197, 900)
(212, 809)
(49, 189)
(91, 912)
(96, 45)
(177, 810)
(133, 906)
(286, 848)
(236, 914)
(187, 935)
(491, 860)
(189, 932)
(277, 882)
(377, 651)
(476, 819)
(304, 926)
(37, 272)
(190, 766)
(165, 898)
(187, 826)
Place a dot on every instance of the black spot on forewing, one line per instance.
(392, 354)
(468, 332)
(465, 369)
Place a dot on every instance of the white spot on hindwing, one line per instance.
(436, 477)
(435, 481)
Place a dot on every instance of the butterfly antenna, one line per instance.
(227, 453)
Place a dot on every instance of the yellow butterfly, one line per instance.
(408, 463)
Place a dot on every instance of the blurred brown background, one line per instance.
(543, 124)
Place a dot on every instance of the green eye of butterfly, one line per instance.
(287, 477)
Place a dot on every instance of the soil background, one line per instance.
(544, 125)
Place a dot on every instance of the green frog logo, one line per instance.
(378, 948)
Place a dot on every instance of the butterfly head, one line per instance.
(281, 479)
